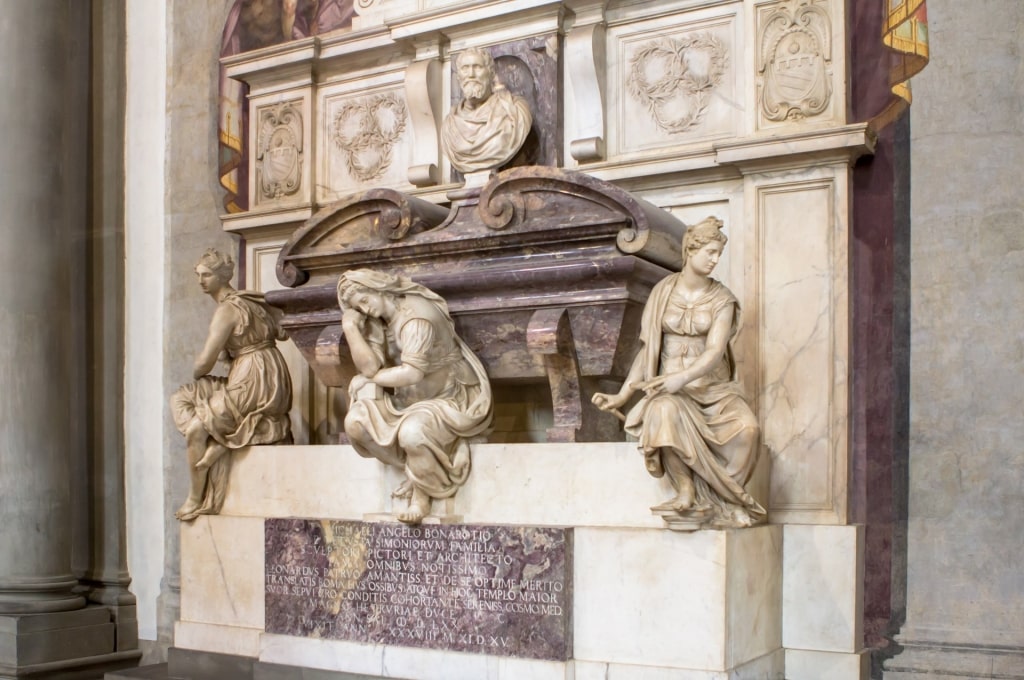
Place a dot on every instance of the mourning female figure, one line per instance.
(420, 393)
(250, 406)
(692, 420)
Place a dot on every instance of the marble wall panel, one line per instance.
(659, 602)
(823, 574)
(674, 81)
(222, 571)
(804, 345)
(365, 137)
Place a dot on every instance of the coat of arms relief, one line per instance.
(795, 62)
(279, 151)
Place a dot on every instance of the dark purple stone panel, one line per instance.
(498, 590)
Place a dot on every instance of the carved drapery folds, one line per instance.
(544, 273)
(279, 154)
(795, 61)
(674, 78)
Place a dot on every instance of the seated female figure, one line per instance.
(249, 406)
(420, 393)
(692, 421)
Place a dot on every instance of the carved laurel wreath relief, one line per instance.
(795, 62)
(366, 130)
(674, 78)
(279, 152)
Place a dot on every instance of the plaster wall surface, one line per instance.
(966, 541)
(173, 204)
(145, 156)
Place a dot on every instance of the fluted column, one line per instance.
(43, 116)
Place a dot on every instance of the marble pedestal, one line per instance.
(647, 603)
(69, 645)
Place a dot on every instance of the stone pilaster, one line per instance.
(46, 626)
(43, 193)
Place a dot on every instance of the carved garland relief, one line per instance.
(674, 77)
(366, 131)
(279, 154)
(795, 62)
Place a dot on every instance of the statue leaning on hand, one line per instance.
(420, 393)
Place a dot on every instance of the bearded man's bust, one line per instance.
(489, 126)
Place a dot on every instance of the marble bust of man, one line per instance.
(488, 127)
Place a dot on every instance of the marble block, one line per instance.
(404, 662)
(222, 571)
(807, 665)
(599, 484)
(205, 637)
(706, 601)
(822, 592)
(767, 667)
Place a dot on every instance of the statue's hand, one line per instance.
(358, 382)
(608, 402)
(674, 382)
(351, 319)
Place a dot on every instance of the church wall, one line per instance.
(965, 601)
(173, 207)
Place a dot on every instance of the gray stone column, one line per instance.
(43, 47)
(48, 407)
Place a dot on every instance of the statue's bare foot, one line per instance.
(681, 503)
(419, 507)
(403, 490)
(188, 511)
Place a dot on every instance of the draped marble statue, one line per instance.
(249, 406)
(692, 420)
(420, 393)
(489, 126)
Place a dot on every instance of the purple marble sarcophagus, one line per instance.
(545, 273)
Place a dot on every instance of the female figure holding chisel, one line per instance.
(693, 421)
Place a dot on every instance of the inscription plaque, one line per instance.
(470, 588)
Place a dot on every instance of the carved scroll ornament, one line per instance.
(674, 77)
(795, 62)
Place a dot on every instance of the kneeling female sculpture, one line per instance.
(692, 421)
(249, 406)
(420, 393)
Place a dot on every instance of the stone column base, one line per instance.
(938, 661)
(64, 645)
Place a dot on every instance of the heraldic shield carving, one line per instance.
(795, 62)
(279, 154)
